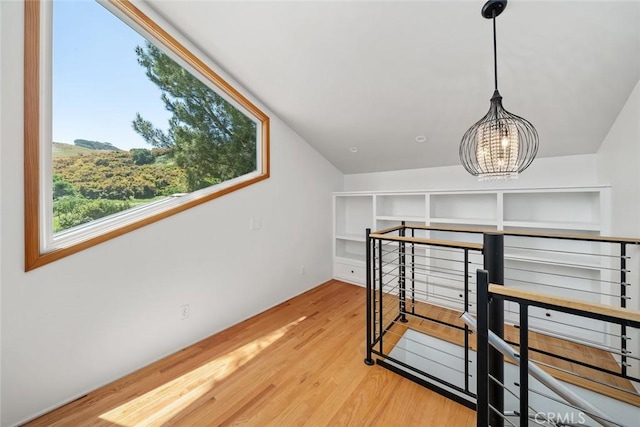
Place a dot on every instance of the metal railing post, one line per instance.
(623, 304)
(402, 279)
(466, 328)
(381, 291)
(524, 364)
(368, 360)
(482, 344)
(494, 265)
(413, 273)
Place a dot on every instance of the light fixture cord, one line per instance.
(495, 52)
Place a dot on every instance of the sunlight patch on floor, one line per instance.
(169, 399)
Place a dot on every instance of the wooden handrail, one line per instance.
(451, 228)
(594, 238)
(389, 230)
(432, 242)
(605, 310)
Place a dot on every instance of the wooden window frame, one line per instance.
(37, 253)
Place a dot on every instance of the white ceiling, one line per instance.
(376, 74)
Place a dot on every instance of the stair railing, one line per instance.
(414, 270)
(401, 268)
(485, 338)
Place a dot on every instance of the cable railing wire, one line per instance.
(567, 275)
(418, 316)
(426, 282)
(417, 267)
(491, 377)
(564, 287)
(391, 271)
(565, 349)
(593, 380)
(565, 252)
(389, 331)
(429, 359)
(394, 296)
(424, 256)
(563, 264)
(433, 309)
(501, 415)
(564, 323)
(428, 294)
(582, 341)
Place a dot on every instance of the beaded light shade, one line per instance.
(500, 145)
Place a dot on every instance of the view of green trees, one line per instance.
(208, 141)
(92, 185)
(208, 136)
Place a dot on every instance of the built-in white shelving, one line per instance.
(401, 205)
(353, 214)
(352, 237)
(463, 221)
(412, 219)
(583, 210)
(553, 225)
(464, 208)
(569, 268)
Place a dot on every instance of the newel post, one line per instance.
(493, 251)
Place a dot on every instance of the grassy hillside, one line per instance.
(61, 149)
(117, 175)
(91, 184)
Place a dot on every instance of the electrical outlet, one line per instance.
(184, 311)
(303, 270)
(255, 224)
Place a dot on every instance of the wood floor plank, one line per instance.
(298, 364)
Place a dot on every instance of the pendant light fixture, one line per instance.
(500, 145)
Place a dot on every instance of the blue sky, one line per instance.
(98, 86)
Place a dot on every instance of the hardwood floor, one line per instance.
(300, 363)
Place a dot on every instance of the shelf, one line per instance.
(353, 215)
(465, 207)
(571, 210)
(401, 206)
(350, 258)
(351, 237)
(351, 249)
(464, 221)
(406, 219)
(584, 226)
(555, 211)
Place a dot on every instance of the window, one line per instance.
(123, 127)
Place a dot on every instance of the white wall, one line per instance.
(83, 321)
(1, 61)
(578, 170)
(619, 166)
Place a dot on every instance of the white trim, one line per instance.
(464, 191)
(46, 127)
(105, 225)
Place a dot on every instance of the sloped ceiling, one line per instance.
(376, 74)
